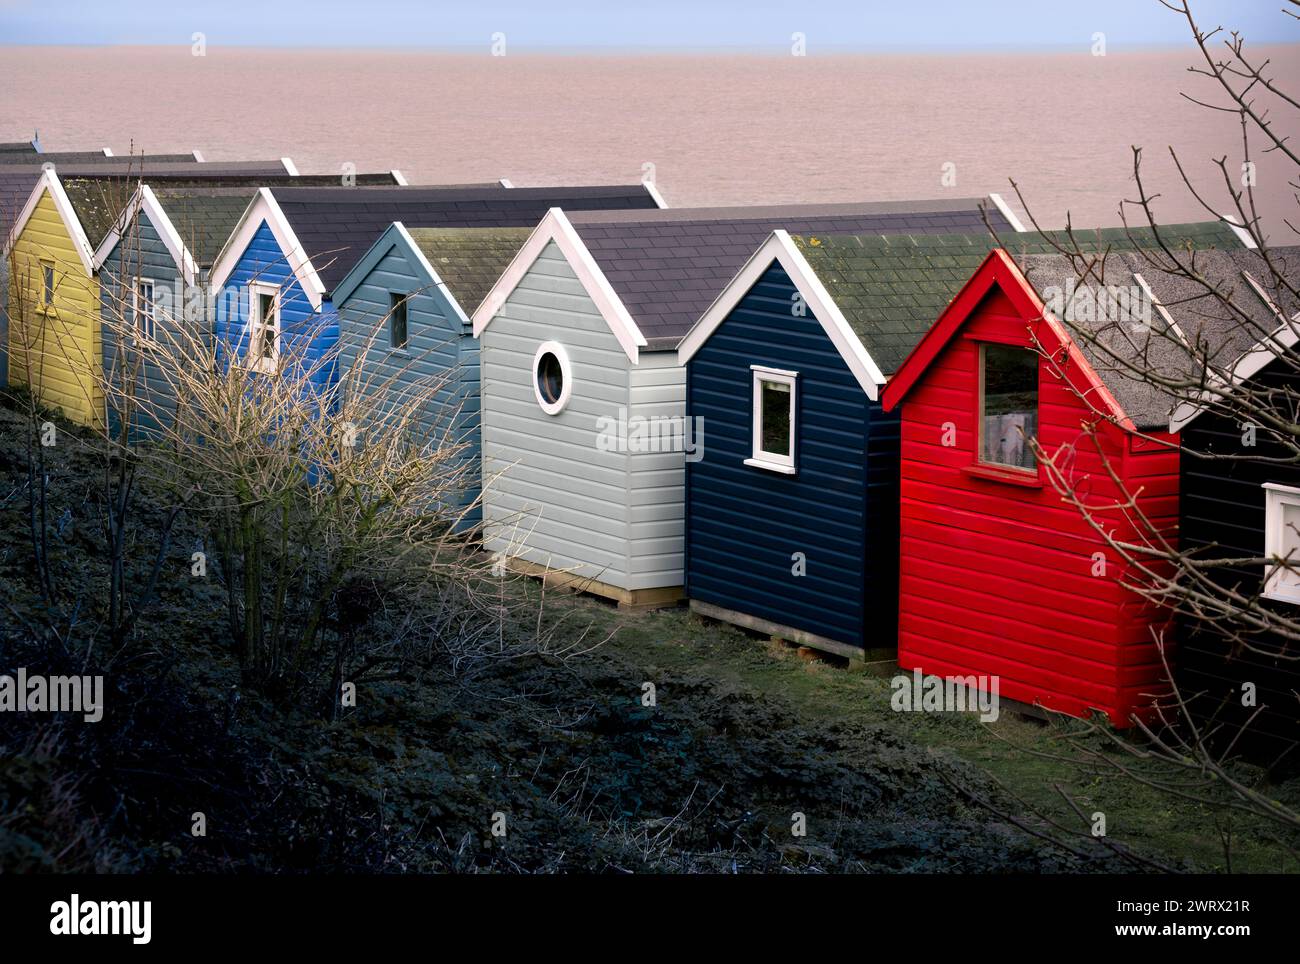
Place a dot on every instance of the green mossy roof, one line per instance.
(891, 288)
(470, 260)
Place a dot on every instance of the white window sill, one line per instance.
(771, 466)
(1293, 598)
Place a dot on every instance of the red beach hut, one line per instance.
(1001, 575)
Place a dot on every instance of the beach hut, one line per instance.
(404, 320)
(1004, 584)
(786, 369)
(153, 266)
(1240, 508)
(585, 430)
(53, 304)
(21, 180)
(292, 247)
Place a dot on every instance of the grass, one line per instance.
(744, 734)
(1021, 754)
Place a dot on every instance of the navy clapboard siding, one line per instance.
(441, 352)
(745, 524)
(1222, 515)
(143, 254)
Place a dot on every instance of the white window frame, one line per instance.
(566, 376)
(761, 459)
(1279, 582)
(256, 325)
(135, 309)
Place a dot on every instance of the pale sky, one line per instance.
(755, 24)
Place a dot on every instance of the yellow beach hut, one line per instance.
(54, 311)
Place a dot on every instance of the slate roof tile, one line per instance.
(892, 288)
(346, 224)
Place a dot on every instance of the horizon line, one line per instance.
(780, 50)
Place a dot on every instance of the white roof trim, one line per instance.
(198, 156)
(437, 278)
(1247, 366)
(108, 151)
(145, 197)
(778, 247)
(556, 227)
(1164, 312)
(1007, 213)
(1242, 234)
(398, 177)
(289, 167)
(263, 207)
(49, 181)
(654, 193)
(505, 182)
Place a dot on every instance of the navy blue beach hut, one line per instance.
(792, 509)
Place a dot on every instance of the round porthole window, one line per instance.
(552, 380)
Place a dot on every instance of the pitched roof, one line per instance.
(668, 266)
(336, 226)
(891, 288)
(17, 180)
(1136, 336)
(469, 260)
(19, 156)
(204, 216)
(203, 198)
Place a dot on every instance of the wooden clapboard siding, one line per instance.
(182, 329)
(745, 524)
(1222, 516)
(56, 353)
(308, 335)
(551, 494)
(998, 579)
(656, 479)
(440, 351)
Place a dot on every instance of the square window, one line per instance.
(774, 393)
(397, 320)
(1008, 416)
(1282, 542)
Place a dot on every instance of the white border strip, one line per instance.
(1240, 231)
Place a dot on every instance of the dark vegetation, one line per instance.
(559, 742)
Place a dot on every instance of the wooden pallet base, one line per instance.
(629, 600)
(859, 658)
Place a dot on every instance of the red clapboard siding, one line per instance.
(998, 579)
